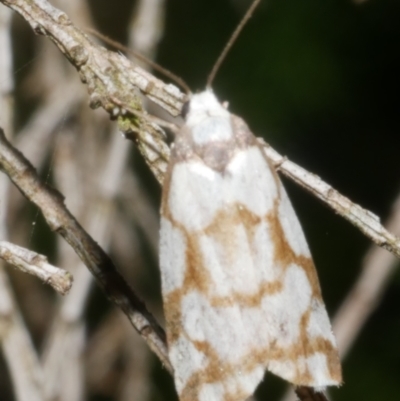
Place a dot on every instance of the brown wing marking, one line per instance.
(197, 277)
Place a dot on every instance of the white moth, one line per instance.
(241, 294)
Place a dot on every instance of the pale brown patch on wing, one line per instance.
(197, 276)
(247, 300)
(217, 371)
(284, 254)
(222, 230)
(173, 315)
(304, 346)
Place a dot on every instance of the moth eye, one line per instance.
(185, 109)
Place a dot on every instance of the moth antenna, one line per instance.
(157, 67)
(231, 41)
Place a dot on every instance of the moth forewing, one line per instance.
(241, 294)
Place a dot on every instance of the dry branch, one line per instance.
(60, 220)
(367, 222)
(6, 81)
(112, 80)
(18, 349)
(37, 265)
(377, 268)
(308, 394)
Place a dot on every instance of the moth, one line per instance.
(240, 290)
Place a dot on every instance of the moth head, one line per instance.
(201, 106)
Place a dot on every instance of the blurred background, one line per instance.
(318, 80)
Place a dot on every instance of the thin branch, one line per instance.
(146, 27)
(112, 80)
(367, 222)
(98, 262)
(303, 393)
(140, 58)
(6, 80)
(106, 183)
(19, 352)
(16, 344)
(74, 167)
(308, 394)
(365, 295)
(37, 265)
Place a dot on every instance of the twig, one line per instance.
(112, 80)
(111, 342)
(37, 265)
(18, 349)
(6, 80)
(145, 31)
(98, 218)
(364, 220)
(146, 27)
(365, 295)
(303, 394)
(308, 394)
(61, 221)
(16, 345)
(71, 153)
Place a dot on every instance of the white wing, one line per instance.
(240, 290)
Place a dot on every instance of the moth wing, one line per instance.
(240, 291)
(302, 346)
